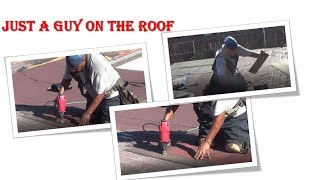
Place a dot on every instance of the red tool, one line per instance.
(61, 106)
(164, 136)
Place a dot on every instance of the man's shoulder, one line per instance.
(242, 51)
(98, 61)
(97, 57)
(100, 65)
(219, 51)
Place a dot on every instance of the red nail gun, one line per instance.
(164, 136)
(61, 106)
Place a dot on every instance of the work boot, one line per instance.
(201, 139)
(234, 146)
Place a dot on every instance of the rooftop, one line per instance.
(31, 83)
(274, 72)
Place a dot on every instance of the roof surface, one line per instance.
(31, 94)
(273, 72)
(138, 142)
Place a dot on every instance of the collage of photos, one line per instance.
(205, 124)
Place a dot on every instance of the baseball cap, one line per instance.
(74, 61)
(230, 42)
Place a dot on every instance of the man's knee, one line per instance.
(100, 119)
(104, 107)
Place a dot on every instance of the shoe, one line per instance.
(201, 139)
(233, 146)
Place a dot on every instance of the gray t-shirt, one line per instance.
(98, 77)
(240, 51)
(220, 62)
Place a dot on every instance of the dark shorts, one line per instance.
(237, 83)
(235, 128)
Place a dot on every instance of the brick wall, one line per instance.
(204, 46)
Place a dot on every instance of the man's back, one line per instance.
(102, 75)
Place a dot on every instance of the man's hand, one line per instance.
(64, 85)
(203, 150)
(264, 54)
(85, 118)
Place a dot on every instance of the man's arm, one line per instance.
(244, 52)
(64, 85)
(67, 78)
(220, 67)
(254, 54)
(215, 128)
(220, 71)
(170, 110)
(93, 106)
(204, 147)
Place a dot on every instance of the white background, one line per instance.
(286, 125)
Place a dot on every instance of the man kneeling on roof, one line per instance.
(222, 123)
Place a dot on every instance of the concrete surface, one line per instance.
(273, 73)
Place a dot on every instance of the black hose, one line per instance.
(45, 105)
(154, 124)
(189, 130)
